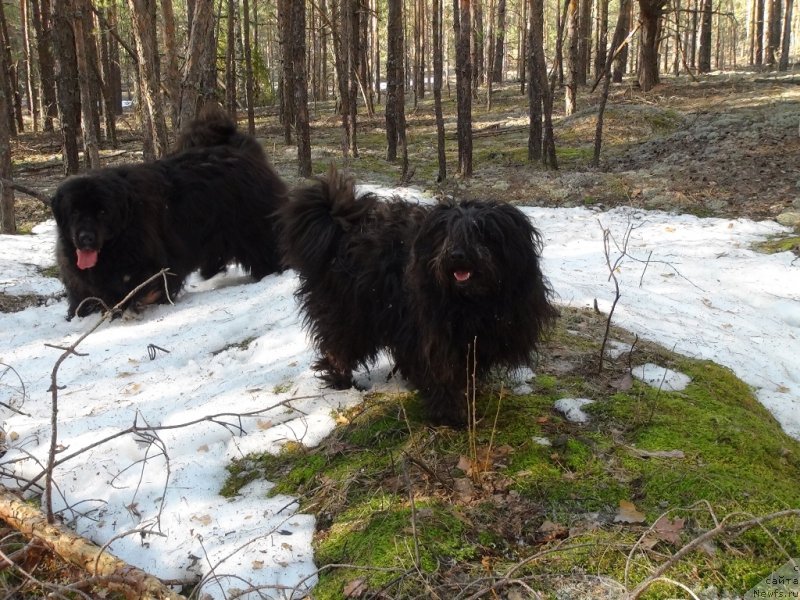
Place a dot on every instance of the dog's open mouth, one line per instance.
(86, 258)
(462, 275)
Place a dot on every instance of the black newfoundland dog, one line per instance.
(210, 203)
(448, 290)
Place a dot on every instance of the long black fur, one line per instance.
(207, 205)
(380, 275)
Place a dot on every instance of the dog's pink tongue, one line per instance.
(462, 276)
(86, 258)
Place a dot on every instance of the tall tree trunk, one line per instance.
(230, 60)
(477, 42)
(201, 52)
(773, 33)
(499, 43)
(66, 75)
(90, 145)
(676, 60)
(93, 61)
(601, 41)
(573, 61)
(649, 15)
(584, 38)
(353, 54)
(464, 88)
(11, 79)
(27, 49)
(704, 53)
(522, 70)
(395, 83)
(287, 77)
(109, 94)
(302, 130)
(620, 33)
(786, 40)
(436, 29)
(248, 69)
(759, 32)
(143, 13)
(40, 14)
(8, 221)
(172, 78)
(535, 91)
(377, 57)
(621, 59)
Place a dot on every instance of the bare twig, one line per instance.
(40, 196)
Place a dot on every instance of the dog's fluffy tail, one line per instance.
(215, 127)
(318, 218)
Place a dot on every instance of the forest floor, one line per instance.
(508, 512)
(726, 145)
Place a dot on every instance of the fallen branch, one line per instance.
(723, 527)
(134, 583)
(42, 197)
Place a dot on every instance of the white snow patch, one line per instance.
(571, 408)
(661, 378)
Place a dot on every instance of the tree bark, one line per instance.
(499, 43)
(436, 28)
(786, 40)
(202, 52)
(90, 145)
(230, 60)
(143, 13)
(172, 80)
(79, 551)
(535, 41)
(66, 83)
(704, 52)
(584, 38)
(8, 221)
(40, 14)
(464, 88)
(248, 69)
(302, 130)
(650, 12)
(394, 74)
(601, 41)
(620, 33)
(573, 60)
(621, 60)
(27, 49)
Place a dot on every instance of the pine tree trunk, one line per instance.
(143, 13)
(436, 28)
(248, 69)
(202, 50)
(353, 54)
(704, 53)
(535, 41)
(10, 79)
(109, 96)
(621, 60)
(8, 221)
(40, 14)
(786, 40)
(499, 43)
(90, 145)
(172, 78)
(230, 60)
(649, 15)
(302, 130)
(601, 41)
(27, 49)
(573, 62)
(464, 89)
(394, 74)
(66, 75)
(584, 38)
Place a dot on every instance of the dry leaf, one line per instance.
(669, 530)
(627, 513)
(258, 564)
(286, 546)
(355, 588)
(263, 424)
(203, 449)
(464, 489)
(202, 519)
(342, 420)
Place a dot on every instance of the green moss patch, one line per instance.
(415, 511)
(779, 244)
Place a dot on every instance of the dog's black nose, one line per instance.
(87, 239)
(458, 254)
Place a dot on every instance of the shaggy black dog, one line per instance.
(447, 289)
(207, 205)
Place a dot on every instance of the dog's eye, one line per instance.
(101, 212)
